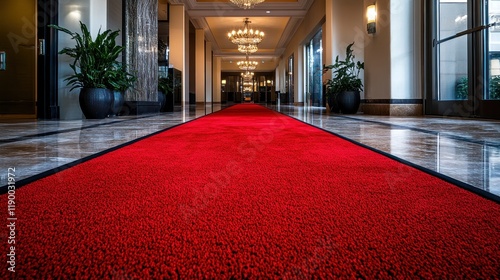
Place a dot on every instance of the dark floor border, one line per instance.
(21, 183)
(454, 137)
(443, 177)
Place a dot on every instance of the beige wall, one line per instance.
(178, 40)
(392, 56)
(200, 65)
(217, 66)
(378, 55)
(347, 27)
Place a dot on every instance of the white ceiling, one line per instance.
(278, 19)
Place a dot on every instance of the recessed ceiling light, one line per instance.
(268, 12)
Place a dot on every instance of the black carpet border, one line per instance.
(21, 183)
(443, 177)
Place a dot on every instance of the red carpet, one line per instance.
(249, 193)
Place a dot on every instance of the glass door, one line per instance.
(18, 52)
(490, 103)
(314, 71)
(465, 58)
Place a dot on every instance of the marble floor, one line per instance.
(467, 150)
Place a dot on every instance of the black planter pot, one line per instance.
(349, 102)
(96, 102)
(333, 103)
(118, 101)
(169, 102)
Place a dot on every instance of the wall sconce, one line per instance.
(371, 19)
(223, 82)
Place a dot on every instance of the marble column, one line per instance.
(141, 29)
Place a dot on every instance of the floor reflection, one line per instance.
(464, 149)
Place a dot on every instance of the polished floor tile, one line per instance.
(467, 150)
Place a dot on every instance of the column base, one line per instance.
(140, 107)
(393, 107)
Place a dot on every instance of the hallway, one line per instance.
(466, 150)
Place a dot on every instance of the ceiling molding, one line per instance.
(279, 19)
(291, 28)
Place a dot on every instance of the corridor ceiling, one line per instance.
(279, 19)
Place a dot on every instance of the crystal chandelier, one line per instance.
(247, 36)
(251, 48)
(247, 65)
(247, 75)
(246, 4)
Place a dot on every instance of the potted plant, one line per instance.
(119, 80)
(92, 66)
(343, 90)
(166, 94)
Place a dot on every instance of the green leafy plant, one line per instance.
(119, 79)
(345, 74)
(495, 87)
(165, 84)
(462, 88)
(94, 59)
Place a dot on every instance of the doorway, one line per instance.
(465, 58)
(18, 51)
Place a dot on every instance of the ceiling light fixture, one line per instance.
(246, 4)
(247, 65)
(251, 48)
(247, 75)
(246, 36)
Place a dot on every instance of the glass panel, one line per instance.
(286, 97)
(494, 51)
(453, 73)
(452, 17)
(314, 70)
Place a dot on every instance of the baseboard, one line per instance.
(392, 107)
(140, 108)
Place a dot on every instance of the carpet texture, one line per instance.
(250, 193)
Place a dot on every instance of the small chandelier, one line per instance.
(246, 4)
(247, 36)
(247, 75)
(251, 48)
(247, 65)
